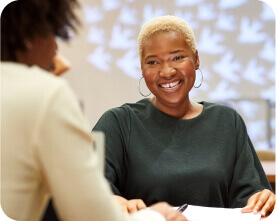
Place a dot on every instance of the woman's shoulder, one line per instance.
(124, 112)
(31, 82)
(32, 75)
(129, 108)
(223, 106)
(223, 109)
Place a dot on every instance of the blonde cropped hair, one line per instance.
(165, 24)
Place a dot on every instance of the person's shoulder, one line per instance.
(219, 106)
(32, 82)
(124, 112)
(138, 106)
(32, 76)
(223, 109)
(129, 107)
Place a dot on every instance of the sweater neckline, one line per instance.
(159, 112)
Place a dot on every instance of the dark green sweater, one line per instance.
(208, 160)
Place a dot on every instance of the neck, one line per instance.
(186, 110)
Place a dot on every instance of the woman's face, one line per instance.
(168, 66)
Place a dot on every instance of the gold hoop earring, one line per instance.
(140, 89)
(201, 79)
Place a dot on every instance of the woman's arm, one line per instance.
(249, 184)
(114, 124)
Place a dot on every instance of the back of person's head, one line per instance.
(23, 20)
(165, 24)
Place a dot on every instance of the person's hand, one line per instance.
(61, 65)
(168, 212)
(263, 201)
(130, 206)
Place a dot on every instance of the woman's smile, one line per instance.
(171, 86)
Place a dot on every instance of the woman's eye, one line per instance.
(178, 58)
(152, 62)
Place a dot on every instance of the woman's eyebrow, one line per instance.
(151, 56)
(174, 52)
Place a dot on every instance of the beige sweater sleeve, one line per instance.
(63, 148)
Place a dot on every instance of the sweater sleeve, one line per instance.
(113, 124)
(248, 176)
(63, 147)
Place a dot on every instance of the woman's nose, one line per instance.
(167, 71)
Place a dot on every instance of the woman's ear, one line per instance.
(197, 61)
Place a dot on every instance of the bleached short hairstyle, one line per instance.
(166, 24)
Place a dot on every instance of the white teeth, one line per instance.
(170, 85)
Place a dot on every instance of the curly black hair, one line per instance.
(21, 20)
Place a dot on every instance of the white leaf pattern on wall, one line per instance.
(223, 92)
(209, 42)
(99, 38)
(254, 73)
(250, 31)
(185, 3)
(206, 12)
(128, 16)
(93, 14)
(226, 4)
(100, 59)
(132, 68)
(267, 13)
(268, 51)
(122, 38)
(149, 12)
(226, 22)
(227, 68)
(110, 5)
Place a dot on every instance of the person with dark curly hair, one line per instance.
(46, 147)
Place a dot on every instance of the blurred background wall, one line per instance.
(235, 40)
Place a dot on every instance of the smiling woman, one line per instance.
(172, 149)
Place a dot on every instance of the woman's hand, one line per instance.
(168, 212)
(61, 65)
(130, 206)
(165, 209)
(263, 201)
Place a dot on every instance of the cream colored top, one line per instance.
(47, 152)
